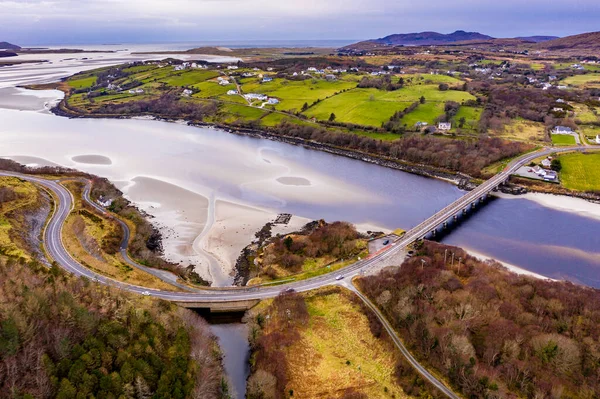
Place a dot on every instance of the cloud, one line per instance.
(39, 21)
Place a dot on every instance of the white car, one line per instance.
(146, 293)
(339, 277)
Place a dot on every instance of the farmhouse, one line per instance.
(598, 139)
(267, 79)
(444, 126)
(136, 91)
(187, 93)
(255, 96)
(223, 82)
(232, 67)
(558, 109)
(232, 92)
(421, 125)
(546, 163)
(562, 130)
(273, 101)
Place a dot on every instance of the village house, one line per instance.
(187, 93)
(546, 163)
(136, 91)
(267, 79)
(560, 100)
(224, 82)
(232, 67)
(273, 101)
(558, 109)
(255, 96)
(444, 126)
(232, 92)
(598, 139)
(562, 130)
(330, 77)
(420, 125)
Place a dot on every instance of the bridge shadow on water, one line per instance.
(442, 232)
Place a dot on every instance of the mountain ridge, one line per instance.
(9, 46)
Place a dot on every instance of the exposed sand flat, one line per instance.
(180, 215)
(92, 159)
(561, 202)
(512, 268)
(293, 181)
(235, 227)
(28, 100)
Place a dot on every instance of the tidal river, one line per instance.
(209, 190)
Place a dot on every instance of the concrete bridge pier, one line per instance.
(455, 218)
(445, 225)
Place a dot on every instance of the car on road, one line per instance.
(288, 290)
(146, 293)
(386, 242)
(340, 277)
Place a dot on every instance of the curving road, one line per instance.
(64, 203)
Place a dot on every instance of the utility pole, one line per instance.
(423, 263)
(445, 253)
(459, 260)
(452, 259)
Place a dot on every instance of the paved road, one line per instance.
(64, 204)
(56, 250)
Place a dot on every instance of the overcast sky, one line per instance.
(148, 21)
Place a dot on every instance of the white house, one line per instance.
(255, 96)
(273, 101)
(421, 124)
(562, 130)
(546, 163)
(558, 109)
(444, 126)
(136, 91)
(560, 100)
(187, 93)
(223, 82)
(232, 92)
(232, 67)
(598, 139)
(267, 79)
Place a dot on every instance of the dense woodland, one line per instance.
(464, 156)
(63, 337)
(491, 333)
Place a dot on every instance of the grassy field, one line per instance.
(581, 172)
(563, 139)
(471, 115)
(189, 77)
(585, 114)
(337, 351)
(83, 83)
(293, 94)
(523, 130)
(372, 107)
(590, 80)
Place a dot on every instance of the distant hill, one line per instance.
(4, 54)
(588, 42)
(537, 39)
(429, 38)
(9, 46)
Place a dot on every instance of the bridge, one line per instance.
(242, 298)
(210, 296)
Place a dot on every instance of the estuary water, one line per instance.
(209, 190)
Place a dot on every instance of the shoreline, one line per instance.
(509, 266)
(456, 178)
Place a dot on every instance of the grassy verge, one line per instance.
(94, 239)
(19, 200)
